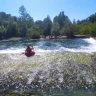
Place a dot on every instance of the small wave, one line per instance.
(16, 50)
(88, 46)
(90, 40)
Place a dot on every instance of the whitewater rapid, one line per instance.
(89, 49)
(49, 72)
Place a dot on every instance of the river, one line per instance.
(62, 67)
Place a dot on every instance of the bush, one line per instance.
(35, 35)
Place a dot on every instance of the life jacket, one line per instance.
(29, 52)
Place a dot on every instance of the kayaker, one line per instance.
(29, 51)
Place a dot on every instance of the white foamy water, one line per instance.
(90, 40)
(48, 70)
(91, 47)
(13, 50)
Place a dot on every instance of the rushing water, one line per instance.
(59, 68)
(72, 45)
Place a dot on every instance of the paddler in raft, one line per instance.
(29, 51)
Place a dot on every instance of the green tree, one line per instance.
(92, 18)
(60, 19)
(25, 21)
(68, 30)
(55, 29)
(33, 34)
(47, 24)
(2, 32)
(23, 12)
(39, 24)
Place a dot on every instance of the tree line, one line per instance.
(25, 26)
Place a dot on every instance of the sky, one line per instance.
(39, 9)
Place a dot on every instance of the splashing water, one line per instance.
(60, 70)
(72, 45)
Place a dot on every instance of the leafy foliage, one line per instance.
(55, 29)
(24, 26)
(2, 32)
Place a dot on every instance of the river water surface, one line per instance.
(72, 45)
(62, 67)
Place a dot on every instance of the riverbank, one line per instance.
(65, 37)
(81, 36)
(11, 39)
